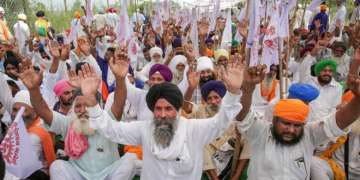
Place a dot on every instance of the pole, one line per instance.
(303, 16)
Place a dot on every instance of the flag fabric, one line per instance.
(314, 5)
(133, 49)
(194, 33)
(215, 15)
(89, 11)
(285, 7)
(254, 19)
(18, 153)
(122, 30)
(227, 34)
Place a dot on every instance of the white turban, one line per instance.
(2, 10)
(22, 96)
(178, 59)
(22, 17)
(155, 50)
(204, 63)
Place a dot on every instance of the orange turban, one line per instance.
(292, 110)
(347, 97)
(209, 53)
(77, 15)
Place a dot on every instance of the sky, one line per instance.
(60, 3)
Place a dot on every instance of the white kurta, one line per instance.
(183, 159)
(272, 160)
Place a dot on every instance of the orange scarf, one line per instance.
(134, 149)
(46, 140)
(338, 172)
(269, 93)
(5, 30)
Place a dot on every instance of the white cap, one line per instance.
(22, 96)
(204, 63)
(2, 10)
(22, 17)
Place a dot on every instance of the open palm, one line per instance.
(233, 76)
(29, 76)
(119, 65)
(89, 80)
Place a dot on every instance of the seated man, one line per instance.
(92, 156)
(284, 148)
(172, 145)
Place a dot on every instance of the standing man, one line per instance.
(5, 34)
(22, 33)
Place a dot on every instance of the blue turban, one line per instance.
(213, 85)
(304, 92)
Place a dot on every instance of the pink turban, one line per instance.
(62, 86)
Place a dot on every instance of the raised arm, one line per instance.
(119, 65)
(119, 132)
(193, 80)
(252, 76)
(351, 111)
(32, 81)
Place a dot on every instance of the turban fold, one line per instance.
(204, 63)
(170, 92)
(292, 110)
(221, 52)
(304, 92)
(155, 50)
(61, 86)
(163, 70)
(23, 96)
(178, 59)
(322, 64)
(22, 17)
(213, 85)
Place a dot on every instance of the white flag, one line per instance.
(123, 32)
(89, 11)
(133, 49)
(214, 15)
(194, 36)
(227, 34)
(313, 5)
(254, 19)
(18, 153)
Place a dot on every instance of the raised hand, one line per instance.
(242, 28)
(89, 80)
(65, 52)
(254, 75)
(193, 77)
(29, 76)
(203, 28)
(119, 64)
(54, 49)
(353, 81)
(233, 76)
(74, 79)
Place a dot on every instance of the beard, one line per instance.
(279, 138)
(164, 131)
(323, 80)
(204, 80)
(81, 125)
(68, 102)
(212, 109)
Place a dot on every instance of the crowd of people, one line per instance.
(173, 101)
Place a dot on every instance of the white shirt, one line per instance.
(187, 163)
(22, 33)
(272, 160)
(343, 66)
(340, 15)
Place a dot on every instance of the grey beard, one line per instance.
(212, 109)
(164, 131)
(81, 125)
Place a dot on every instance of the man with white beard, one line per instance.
(92, 156)
(172, 145)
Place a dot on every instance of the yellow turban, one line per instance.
(292, 110)
(77, 15)
(221, 52)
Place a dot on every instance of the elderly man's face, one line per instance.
(338, 52)
(222, 61)
(29, 113)
(325, 75)
(287, 132)
(80, 107)
(165, 122)
(156, 78)
(156, 57)
(180, 67)
(213, 101)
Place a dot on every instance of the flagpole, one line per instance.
(303, 16)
